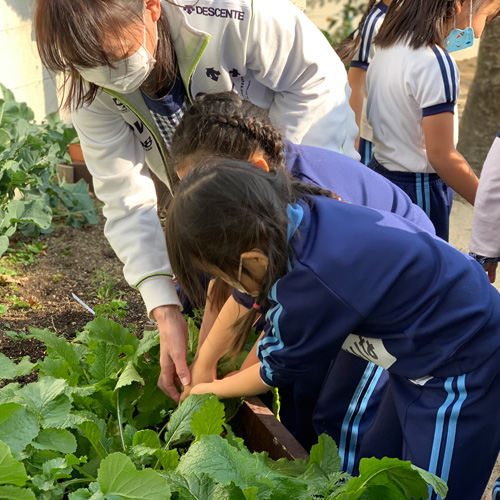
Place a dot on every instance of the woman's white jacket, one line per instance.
(268, 52)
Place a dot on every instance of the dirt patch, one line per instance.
(67, 264)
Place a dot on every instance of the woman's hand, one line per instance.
(173, 349)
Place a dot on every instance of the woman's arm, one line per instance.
(244, 383)
(448, 163)
(115, 158)
(288, 54)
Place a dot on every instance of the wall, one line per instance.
(20, 67)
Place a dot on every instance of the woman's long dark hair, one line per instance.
(71, 34)
(221, 209)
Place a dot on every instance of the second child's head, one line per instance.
(223, 124)
(423, 23)
(229, 219)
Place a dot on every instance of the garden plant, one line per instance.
(95, 426)
(31, 193)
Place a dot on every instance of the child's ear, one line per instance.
(458, 7)
(259, 160)
(256, 261)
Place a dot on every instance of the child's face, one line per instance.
(487, 11)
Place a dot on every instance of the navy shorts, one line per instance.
(348, 403)
(448, 426)
(365, 149)
(428, 191)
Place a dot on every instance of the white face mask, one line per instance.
(128, 74)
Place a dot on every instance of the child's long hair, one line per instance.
(349, 46)
(71, 34)
(221, 209)
(420, 23)
(224, 124)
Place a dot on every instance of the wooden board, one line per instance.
(262, 431)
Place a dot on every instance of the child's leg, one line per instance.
(450, 427)
(428, 191)
(348, 403)
(384, 437)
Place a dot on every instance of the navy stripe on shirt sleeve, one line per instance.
(439, 108)
(359, 64)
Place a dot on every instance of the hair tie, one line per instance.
(256, 306)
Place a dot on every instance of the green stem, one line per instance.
(120, 419)
(74, 481)
(84, 472)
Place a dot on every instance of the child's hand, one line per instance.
(186, 391)
(201, 373)
(204, 388)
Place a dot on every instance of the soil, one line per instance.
(71, 258)
(67, 264)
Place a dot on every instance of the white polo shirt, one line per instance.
(404, 85)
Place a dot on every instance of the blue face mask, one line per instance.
(459, 39)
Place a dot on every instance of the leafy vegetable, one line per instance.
(30, 191)
(95, 426)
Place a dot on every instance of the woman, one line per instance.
(132, 65)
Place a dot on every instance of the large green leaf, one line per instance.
(388, 478)
(106, 361)
(105, 330)
(77, 200)
(202, 487)
(150, 339)
(15, 493)
(7, 367)
(56, 413)
(436, 482)
(4, 243)
(225, 464)
(55, 439)
(128, 376)
(59, 347)
(25, 366)
(18, 426)
(179, 426)
(147, 438)
(325, 455)
(38, 395)
(11, 471)
(32, 212)
(118, 476)
(93, 433)
(209, 419)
